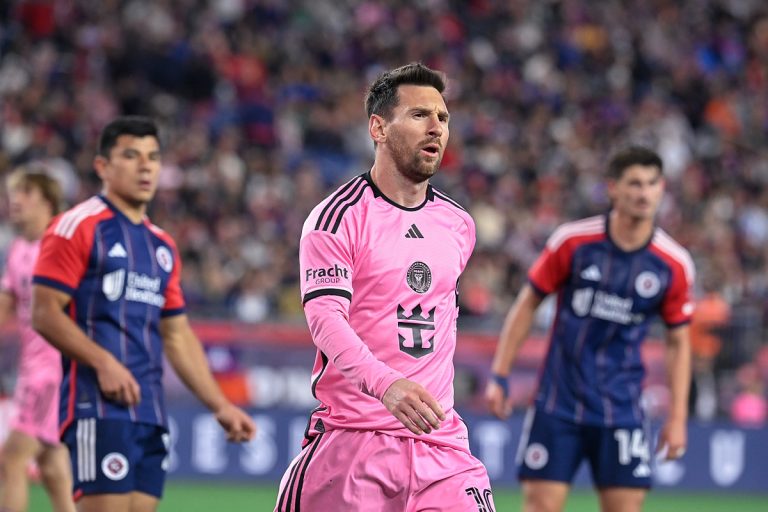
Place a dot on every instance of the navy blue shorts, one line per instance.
(117, 457)
(552, 448)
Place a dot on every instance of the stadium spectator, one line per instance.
(380, 263)
(750, 406)
(34, 199)
(613, 273)
(710, 316)
(107, 294)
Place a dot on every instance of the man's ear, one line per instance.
(376, 126)
(100, 165)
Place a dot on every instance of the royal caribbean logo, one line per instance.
(415, 322)
(419, 277)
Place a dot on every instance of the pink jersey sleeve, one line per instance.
(326, 285)
(63, 256)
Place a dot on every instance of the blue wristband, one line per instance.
(503, 383)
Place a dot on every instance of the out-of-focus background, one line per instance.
(260, 103)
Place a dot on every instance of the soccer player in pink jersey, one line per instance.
(34, 199)
(380, 262)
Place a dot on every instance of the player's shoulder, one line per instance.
(449, 203)
(341, 204)
(81, 216)
(576, 231)
(673, 251)
(159, 232)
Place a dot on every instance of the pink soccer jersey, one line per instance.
(37, 355)
(36, 397)
(379, 284)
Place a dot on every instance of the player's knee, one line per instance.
(536, 500)
(52, 470)
(12, 461)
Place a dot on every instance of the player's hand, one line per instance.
(498, 402)
(236, 423)
(673, 439)
(117, 382)
(414, 406)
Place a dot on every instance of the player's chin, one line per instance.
(144, 195)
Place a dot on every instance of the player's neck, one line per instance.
(34, 229)
(630, 233)
(397, 187)
(134, 211)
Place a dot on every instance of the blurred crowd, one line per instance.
(260, 102)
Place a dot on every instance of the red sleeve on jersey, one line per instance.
(551, 269)
(677, 305)
(174, 297)
(63, 261)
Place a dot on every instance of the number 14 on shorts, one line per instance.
(632, 444)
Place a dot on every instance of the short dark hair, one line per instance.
(633, 155)
(27, 178)
(138, 126)
(382, 94)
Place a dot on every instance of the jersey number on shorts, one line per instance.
(632, 444)
(483, 499)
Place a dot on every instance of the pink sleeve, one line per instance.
(327, 267)
(327, 317)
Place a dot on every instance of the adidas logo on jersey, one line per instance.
(591, 273)
(413, 232)
(117, 251)
(642, 471)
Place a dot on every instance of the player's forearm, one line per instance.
(186, 355)
(333, 335)
(60, 331)
(679, 371)
(517, 326)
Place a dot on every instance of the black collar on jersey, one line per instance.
(378, 193)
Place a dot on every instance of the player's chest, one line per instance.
(129, 262)
(606, 279)
(419, 248)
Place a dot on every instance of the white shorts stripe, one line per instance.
(525, 434)
(92, 448)
(86, 449)
(79, 438)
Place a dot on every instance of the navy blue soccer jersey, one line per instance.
(122, 278)
(607, 300)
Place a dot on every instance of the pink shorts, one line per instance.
(349, 470)
(36, 400)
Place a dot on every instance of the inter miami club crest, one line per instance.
(419, 277)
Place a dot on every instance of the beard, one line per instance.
(409, 161)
